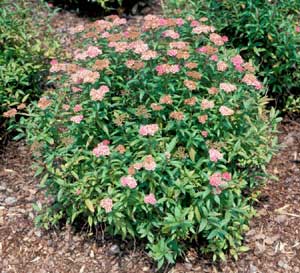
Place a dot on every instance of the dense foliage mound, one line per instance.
(268, 32)
(23, 58)
(154, 133)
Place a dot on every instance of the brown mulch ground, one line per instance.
(274, 237)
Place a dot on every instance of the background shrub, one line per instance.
(154, 134)
(23, 57)
(267, 32)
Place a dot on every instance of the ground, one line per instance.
(273, 239)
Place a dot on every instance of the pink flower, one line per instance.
(98, 94)
(150, 199)
(214, 58)
(148, 130)
(172, 52)
(148, 55)
(77, 119)
(128, 181)
(216, 39)
(225, 38)
(226, 176)
(179, 22)
(238, 62)
(204, 133)
(77, 108)
(227, 87)
(202, 119)
(297, 28)
(107, 204)
(101, 150)
(216, 180)
(225, 111)
(222, 66)
(195, 23)
(66, 107)
(215, 155)
(251, 80)
(149, 163)
(137, 166)
(93, 51)
(207, 104)
(171, 34)
(76, 89)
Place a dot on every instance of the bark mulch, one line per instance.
(273, 239)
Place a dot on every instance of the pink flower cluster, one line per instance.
(215, 155)
(98, 94)
(84, 76)
(102, 149)
(128, 181)
(238, 62)
(77, 119)
(148, 130)
(171, 34)
(92, 52)
(150, 199)
(216, 39)
(148, 55)
(207, 104)
(225, 111)
(228, 87)
(149, 163)
(251, 80)
(107, 204)
(217, 179)
(203, 29)
(222, 66)
(167, 68)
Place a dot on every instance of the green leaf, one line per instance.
(89, 205)
(192, 154)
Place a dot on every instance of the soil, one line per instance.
(273, 238)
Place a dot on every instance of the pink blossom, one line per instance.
(226, 176)
(207, 104)
(107, 204)
(202, 119)
(77, 119)
(149, 163)
(204, 133)
(150, 199)
(227, 87)
(222, 66)
(148, 130)
(214, 58)
(172, 52)
(297, 28)
(101, 150)
(225, 38)
(171, 34)
(76, 89)
(216, 39)
(93, 51)
(216, 180)
(148, 55)
(225, 111)
(251, 80)
(215, 155)
(137, 166)
(128, 181)
(195, 23)
(66, 107)
(77, 108)
(179, 22)
(203, 29)
(98, 94)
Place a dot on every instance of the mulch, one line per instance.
(273, 238)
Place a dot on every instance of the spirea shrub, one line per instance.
(154, 133)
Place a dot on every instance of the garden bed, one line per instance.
(273, 238)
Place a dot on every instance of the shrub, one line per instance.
(268, 32)
(23, 55)
(154, 134)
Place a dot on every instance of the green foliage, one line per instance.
(23, 54)
(151, 136)
(264, 31)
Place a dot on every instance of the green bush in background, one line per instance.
(267, 32)
(25, 46)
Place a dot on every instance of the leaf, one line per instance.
(172, 144)
(89, 205)
(192, 154)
